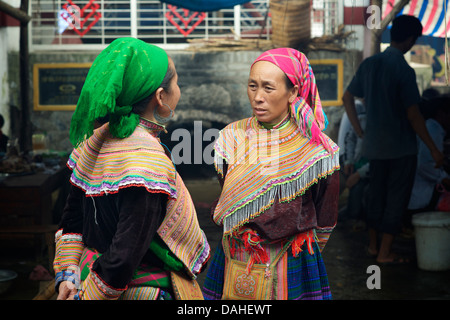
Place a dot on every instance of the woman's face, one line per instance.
(268, 94)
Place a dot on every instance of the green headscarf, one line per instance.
(126, 72)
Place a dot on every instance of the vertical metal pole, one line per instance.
(25, 142)
(102, 21)
(164, 24)
(237, 22)
(133, 18)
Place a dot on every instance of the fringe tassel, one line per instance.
(315, 134)
(300, 239)
(252, 244)
(286, 192)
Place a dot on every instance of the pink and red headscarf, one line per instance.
(306, 107)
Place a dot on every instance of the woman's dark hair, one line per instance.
(289, 84)
(405, 26)
(139, 107)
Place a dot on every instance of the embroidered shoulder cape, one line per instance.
(265, 164)
(104, 164)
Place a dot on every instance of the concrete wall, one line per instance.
(213, 87)
(213, 91)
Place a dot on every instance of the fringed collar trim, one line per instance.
(264, 165)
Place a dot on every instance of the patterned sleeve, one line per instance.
(326, 202)
(69, 241)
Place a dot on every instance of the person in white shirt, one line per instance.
(424, 195)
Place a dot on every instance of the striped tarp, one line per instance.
(430, 12)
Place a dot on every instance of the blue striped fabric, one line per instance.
(205, 5)
(307, 278)
(430, 12)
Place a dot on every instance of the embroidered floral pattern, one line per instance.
(245, 285)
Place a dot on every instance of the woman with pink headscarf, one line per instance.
(279, 198)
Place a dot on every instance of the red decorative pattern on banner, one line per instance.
(77, 19)
(186, 19)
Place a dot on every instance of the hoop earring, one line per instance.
(160, 119)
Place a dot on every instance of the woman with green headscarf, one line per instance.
(129, 226)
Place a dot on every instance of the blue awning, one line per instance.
(205, 5)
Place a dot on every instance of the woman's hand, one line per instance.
(67, 291)
(438, 157)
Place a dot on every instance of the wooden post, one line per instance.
(25, 141)
(18, 14)
(376, 35)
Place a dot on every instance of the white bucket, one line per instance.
(432, 230)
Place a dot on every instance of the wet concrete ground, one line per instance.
(345, 259)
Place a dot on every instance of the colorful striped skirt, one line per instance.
(299, 278)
